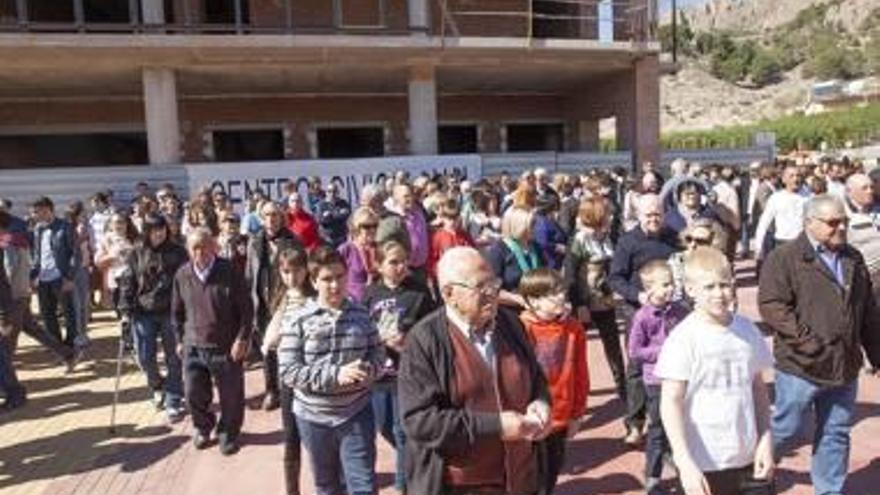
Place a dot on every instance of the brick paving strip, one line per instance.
(59, 443)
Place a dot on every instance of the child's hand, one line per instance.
(693, 481)
(574, 427)
(764, 463)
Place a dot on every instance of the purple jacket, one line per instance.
(358, 277)
(650, 327)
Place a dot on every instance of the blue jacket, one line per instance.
(634, 250)
(547, 234)
(64, 249)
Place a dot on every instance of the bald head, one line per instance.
(650, 212)
(459, 265)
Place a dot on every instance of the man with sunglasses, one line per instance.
(473, 398)
(815, 296)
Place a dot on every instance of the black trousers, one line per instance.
(204, 368)
(656, 444)
(636, 401)
(270, 372)
(606, 324)
(736, 481)
(555, 443)
(292, 454)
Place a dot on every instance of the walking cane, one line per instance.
(119, 355)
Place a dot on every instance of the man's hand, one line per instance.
(539, 413)
(395, 342)
(67, 286)
(764, 463)
(692, 480)
(239, 350)
(351, 373)
(515, 426)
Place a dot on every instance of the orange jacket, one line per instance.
(561, 349)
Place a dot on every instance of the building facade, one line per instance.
(119, 82)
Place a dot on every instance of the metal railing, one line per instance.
(604, 20)
(618, 20)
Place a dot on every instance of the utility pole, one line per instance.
(674, 33)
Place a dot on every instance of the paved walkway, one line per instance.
(59, 443)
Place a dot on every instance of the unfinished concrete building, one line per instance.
(135, 82)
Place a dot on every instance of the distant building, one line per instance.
(113, 82)
(829, 95)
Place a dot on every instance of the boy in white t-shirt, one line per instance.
(714, 402)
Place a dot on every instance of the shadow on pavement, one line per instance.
(42, 459)
(611, 483)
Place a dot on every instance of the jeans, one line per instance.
(9, 383)
(147, 330)
(606, 323)
(292, 459)
(82, 300)
(387, 411)
(348, 449)
(50, 295)
(202, 366)
(656, 444)
(834, 408)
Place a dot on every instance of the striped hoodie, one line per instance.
(313, 347)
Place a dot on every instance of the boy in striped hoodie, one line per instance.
(330, 357)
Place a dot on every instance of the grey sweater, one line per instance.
(315, 344)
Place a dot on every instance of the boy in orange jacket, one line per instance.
(561, 349)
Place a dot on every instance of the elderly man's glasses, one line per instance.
(487, 288)
(834, 223)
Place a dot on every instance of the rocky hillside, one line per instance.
(695, 99)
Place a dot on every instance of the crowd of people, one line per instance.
(450, 317)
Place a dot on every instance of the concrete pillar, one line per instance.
(422, 111)
(645, 113)
(587, 135)
(419, 14)
(160, 109)
(153, 12)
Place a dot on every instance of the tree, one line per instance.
(872, 53)
(765, 68)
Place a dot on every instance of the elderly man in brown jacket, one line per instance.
(473, 398)
(816, 296)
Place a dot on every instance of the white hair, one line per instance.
(198, 236)
(455, 264)
(821, 202)
(646, 199)
(855, 180)
(678, 166)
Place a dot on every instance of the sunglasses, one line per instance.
(700, 241)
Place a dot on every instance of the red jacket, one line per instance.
(441, 240)
(561, 350)
(305, 227)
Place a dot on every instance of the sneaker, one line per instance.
(633, 437)
(158, 399)
(78, 354)
(175, 413)
(652, 486)
(201, 441)
(228, 446)
(271, 402)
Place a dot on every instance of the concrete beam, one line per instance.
(419, 14)
(587, 135)
(646, 111)
(160, 110)
(153, 12)
(423, 111)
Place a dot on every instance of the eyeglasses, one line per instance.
(700, 241)
(834, 223)
(369, 226)
(487, 288)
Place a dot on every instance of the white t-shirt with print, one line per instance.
(719, 365)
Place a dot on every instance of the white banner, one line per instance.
(239, 179)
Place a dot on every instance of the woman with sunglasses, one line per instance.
(703, 232)
(359, 251)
